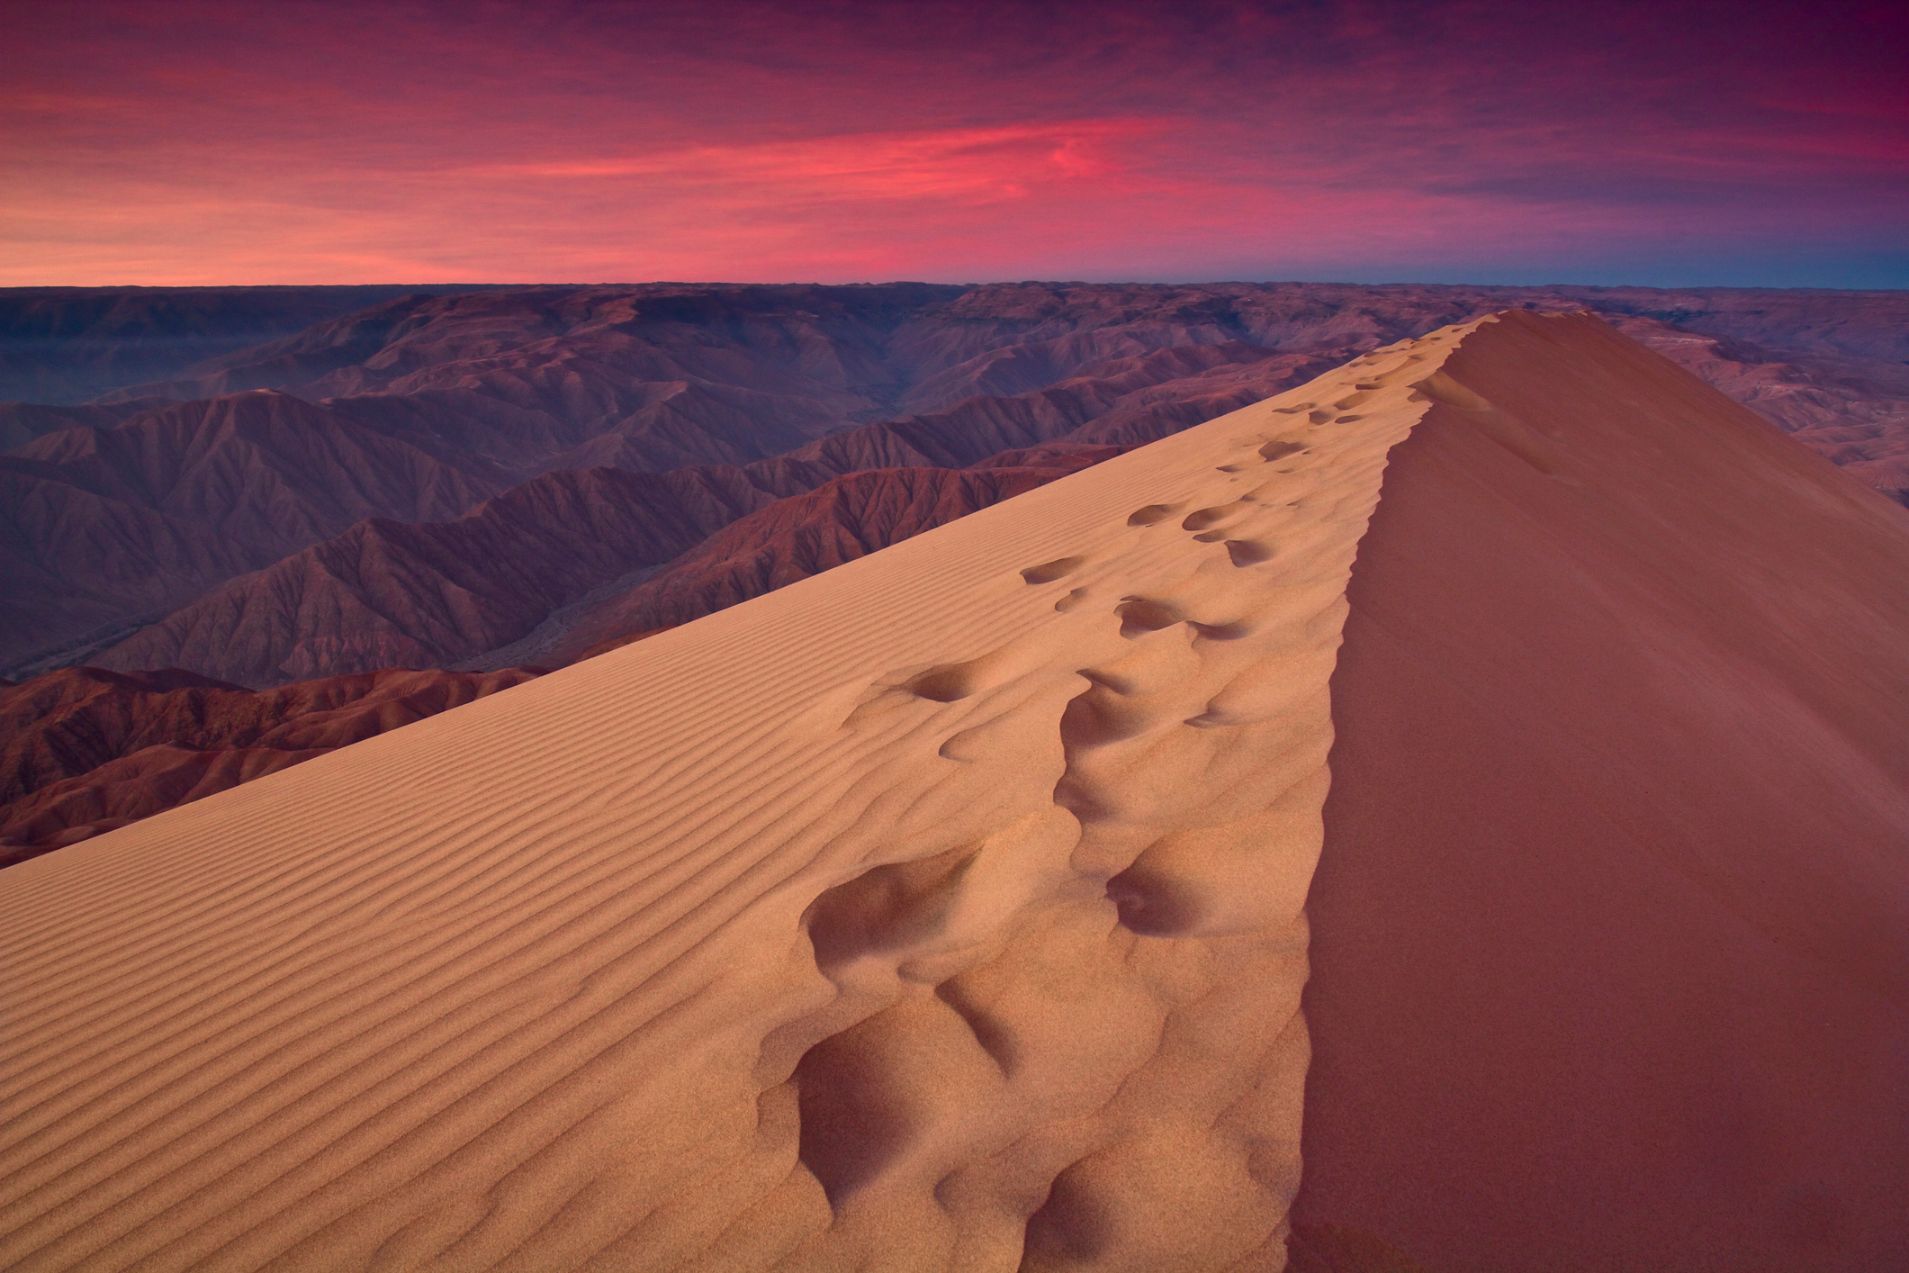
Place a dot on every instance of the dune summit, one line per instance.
(956, 908)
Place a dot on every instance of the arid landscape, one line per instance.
(729, 636)
(504, 479)
(964, 905)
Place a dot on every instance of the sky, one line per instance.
(204, 142)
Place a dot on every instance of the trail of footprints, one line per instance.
(1128, 854)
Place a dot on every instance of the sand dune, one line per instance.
(1611, 932)
(945, 910)
(942, 904)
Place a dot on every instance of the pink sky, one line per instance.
(317, 143)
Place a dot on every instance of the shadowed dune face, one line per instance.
(1611, 930)
(953, 908)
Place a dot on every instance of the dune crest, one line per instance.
(942, 910)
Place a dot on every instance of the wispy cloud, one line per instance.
(969, 164)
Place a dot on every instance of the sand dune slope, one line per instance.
(953, 908)
(943, 910)
(1611, 930)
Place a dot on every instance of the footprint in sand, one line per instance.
(949, 682)
(1140, 615)
(1049, 571)
(1207, 518)
(1248, 552)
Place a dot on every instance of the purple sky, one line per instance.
(1664, 143)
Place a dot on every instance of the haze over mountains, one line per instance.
(262, 486)
(73, 344)
(1445, 817)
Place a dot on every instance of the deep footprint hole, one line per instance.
(1049, 571)
(1207, 518)
(1153, 903)
(945, 684)
(1140, 615)
(1248, 552)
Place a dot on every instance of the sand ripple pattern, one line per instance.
(941, 911)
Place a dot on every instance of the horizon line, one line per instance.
(969, 283)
